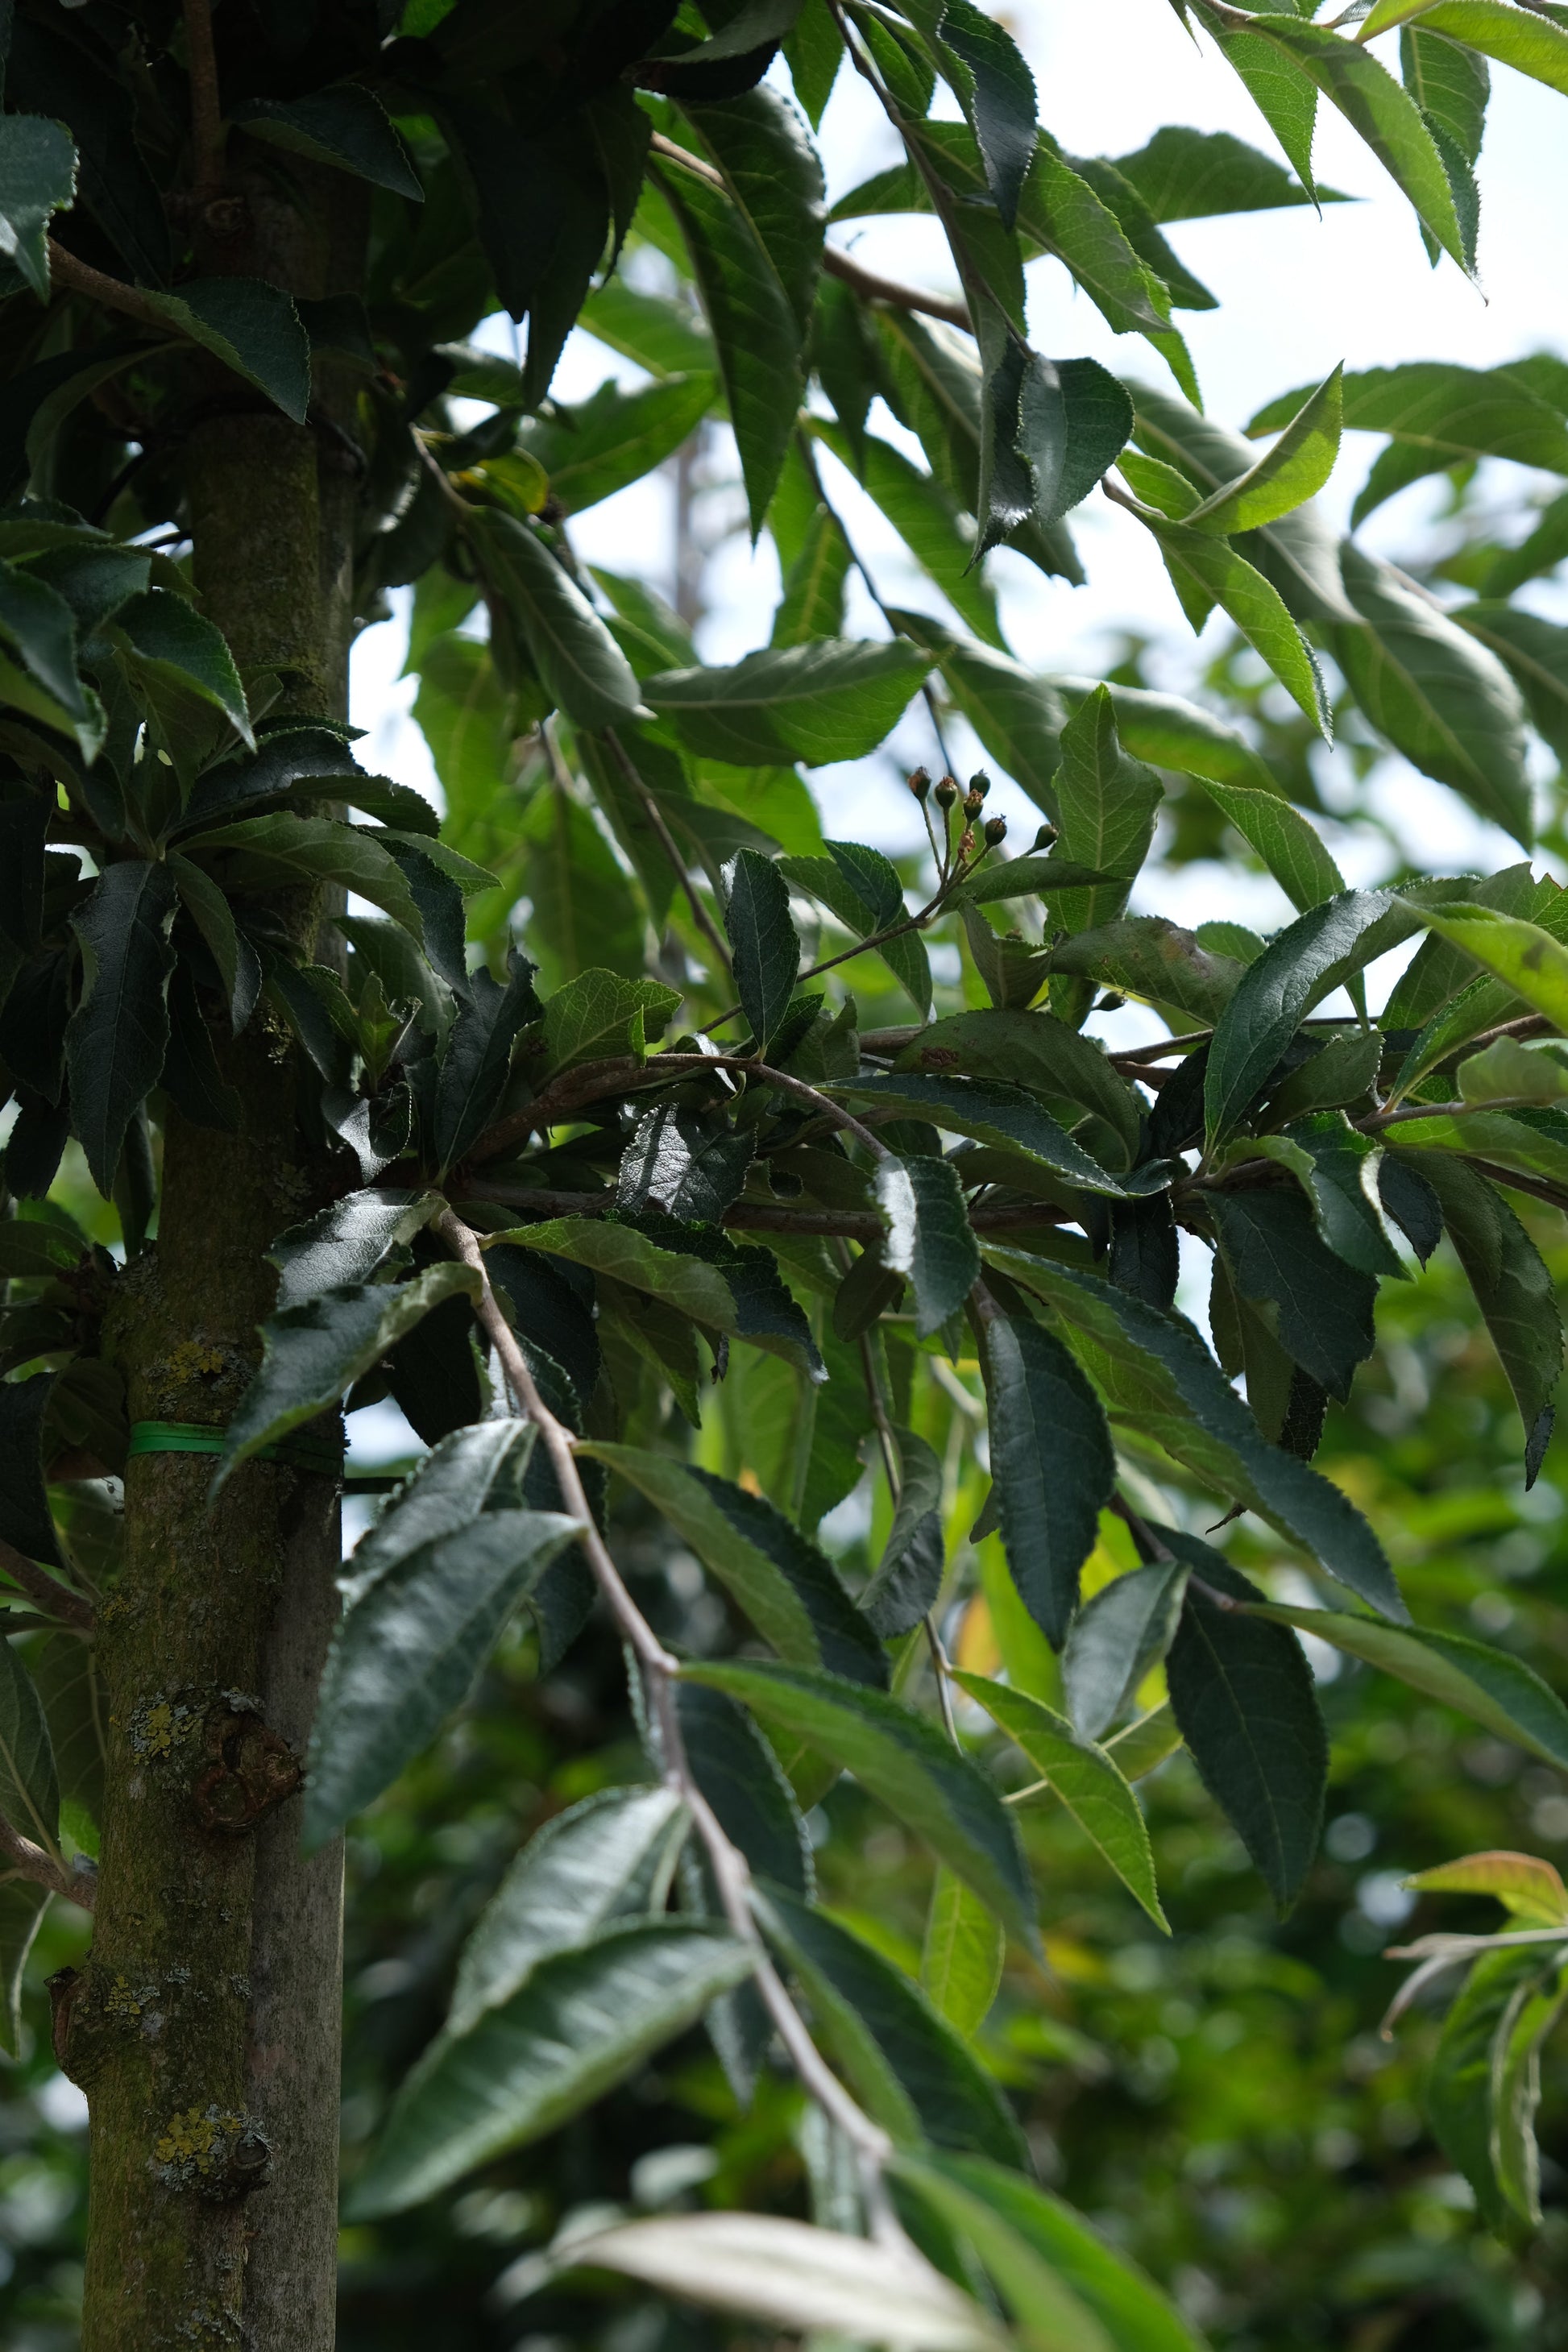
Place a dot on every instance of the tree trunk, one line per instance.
(205, 2026)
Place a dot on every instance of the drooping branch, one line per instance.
(730, 1870)
(33, 1862)
(56, 1598)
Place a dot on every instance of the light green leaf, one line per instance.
(582, 2022)
(313, 1353)
(1484, 2081)
(927, 517)
(1287, 843)
(1532, 45)
(1534, 963)
(1115, 1639)
(1084, 1777)
(1184, 174)
(906, 1763)
(1173, 733)
(788, 1588)
(1294, 470)
(595, 448)
(1529, 1888)
(962, 1956)
(1209, 571)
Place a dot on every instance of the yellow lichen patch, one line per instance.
(197, 2141)
(194, 1360)
(158, 1723)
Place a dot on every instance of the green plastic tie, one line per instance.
(201, 1437)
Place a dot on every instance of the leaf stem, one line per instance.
(46, 1591)
(667, 843)
(731, 1872)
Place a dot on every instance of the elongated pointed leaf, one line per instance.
(283, 848)
(38, 178)
(1116, 1638)
(1488, 1685)
(1531, 44)
(1084, 1777)
(345, 126)
(1513, 1289)
(1209, 571)
(313, 1353)
(1469, 2092)
(478, 1056)
(608, 1857)
(1295, 469)
(1288, 844)
(1068, 2290)
(911, 2070)
(909, 1575)
(791, 2275)
(787, 1588)
(347, 1241)
(584, 671)
(763, 942)
(831, 699)
(252, 327)
(1530, 1888)
(1152, 1368)
(119, 1033)
(929, 1238)
(962, 1956)
(1262, 1016)
(996, 1113)
(1052, 1461)
(1249, 1717)
(582, 2022)
(905, 1762)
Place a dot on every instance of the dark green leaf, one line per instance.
(1184, 174)
(909, 1575)
(1243, 1696)
(1535, 654)
(313, 1353)
(755, 247)
(580, 2024)
(1066, 1070)
(1106, 803)
(269, 851)
(170, 648)
(929, 1237)
(346, 125)
(610, 1856)
(477, 1058)
(1274, 993)
(744, 1782)
(1002, 1115)
(906, 1763)
(1513, 1289)
(25, 1520)
(834, 698)
(679, 1167)
(252, 326)
(430, 1589)
(788, 1588)
(1115, 1639)
(349, 1241)
(907, 2063)
(1154, 1370)
(1052, 1462)
(118, 1035)
(1321, 1307)
(763, 944)
(584, 671)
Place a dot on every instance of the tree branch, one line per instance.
(206, 110)
(112, 293)
(761, 1216)
(44, 1589)
(44, 1869)
(731, 1872)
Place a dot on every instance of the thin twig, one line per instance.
(207, 108)
(765, 1216)
(672, 848)
(112, 293)
(44, 1869)
(731, 1872)
(46, 1591)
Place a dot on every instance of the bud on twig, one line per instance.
(920, 783)
(1045, 837)
(946, 793)
(966, 844)
(980, 783)
(972, 805)
(995, 831)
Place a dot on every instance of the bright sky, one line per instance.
(1296, 293)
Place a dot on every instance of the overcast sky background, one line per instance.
(1296, 291)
